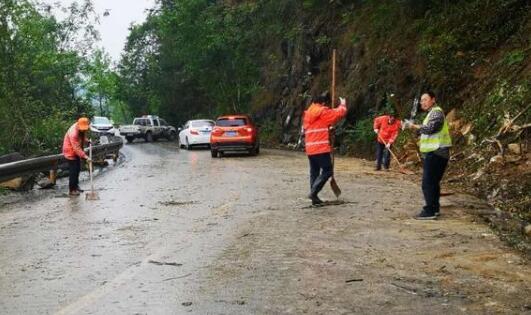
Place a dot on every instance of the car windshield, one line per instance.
(140, 122)
(101, 121)
(235, 122)
(202, 123)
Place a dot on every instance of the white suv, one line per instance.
(150, 128)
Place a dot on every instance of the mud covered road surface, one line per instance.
(177, 232)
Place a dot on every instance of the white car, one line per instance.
(102, 126)
(195, 132)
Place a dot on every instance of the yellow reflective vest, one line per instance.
(441, 139)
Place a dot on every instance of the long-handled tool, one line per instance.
(333, 183)
(92, 195)
(401, 167)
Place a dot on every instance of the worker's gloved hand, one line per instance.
(376, 131)
(88, 160)
(406, 124)
(388, 145)
(342, 101)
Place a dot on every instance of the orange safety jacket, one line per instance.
(387, 132)
(316, 123)
(73, 144)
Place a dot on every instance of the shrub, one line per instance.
(270, 133)
(513, 58)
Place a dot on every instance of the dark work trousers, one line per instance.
(382, 156)
(320, 171)
(434, 167)
(74, 167)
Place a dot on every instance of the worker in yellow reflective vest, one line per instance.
(435, 143)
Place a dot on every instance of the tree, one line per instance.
(101, 81)
(39, 78)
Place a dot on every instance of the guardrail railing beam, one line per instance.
(52, 163)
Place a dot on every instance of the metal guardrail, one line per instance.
(52, 163)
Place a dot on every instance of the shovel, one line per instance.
(333, 183)
(92, 195)
(401, 167)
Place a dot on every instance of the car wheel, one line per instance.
(187, 145)
(129, 139)
(255, 150)
(172, 136)
(149, 137)
(214, 153)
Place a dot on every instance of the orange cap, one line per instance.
(83, 124)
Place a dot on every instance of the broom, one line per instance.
(401, 167)
(92, 195)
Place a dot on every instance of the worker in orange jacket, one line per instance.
(317, 120)
(75, 138)
(386, 128)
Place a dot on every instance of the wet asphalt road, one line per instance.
(177, 232)
(163, 215)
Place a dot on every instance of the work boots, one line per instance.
(315, 200)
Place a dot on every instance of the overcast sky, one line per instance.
(114, 28)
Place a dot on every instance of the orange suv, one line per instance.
(234, 133)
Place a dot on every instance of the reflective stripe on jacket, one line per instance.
(73, 145)
(316, 121)
(440, 139)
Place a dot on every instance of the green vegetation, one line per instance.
(361, 137)
(46, 65)
(514, 57)
(190, 58)
(194, 58)
(270, 132)
(504, 100)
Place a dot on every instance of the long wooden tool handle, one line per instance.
(91, 170)
(333, 98)
(333, 184)
(391, 151)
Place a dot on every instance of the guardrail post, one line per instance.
(53, 173)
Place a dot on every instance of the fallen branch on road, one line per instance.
(174, 278)
(160, 263)
(177, 203)
(354, 280)
(407, 289)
